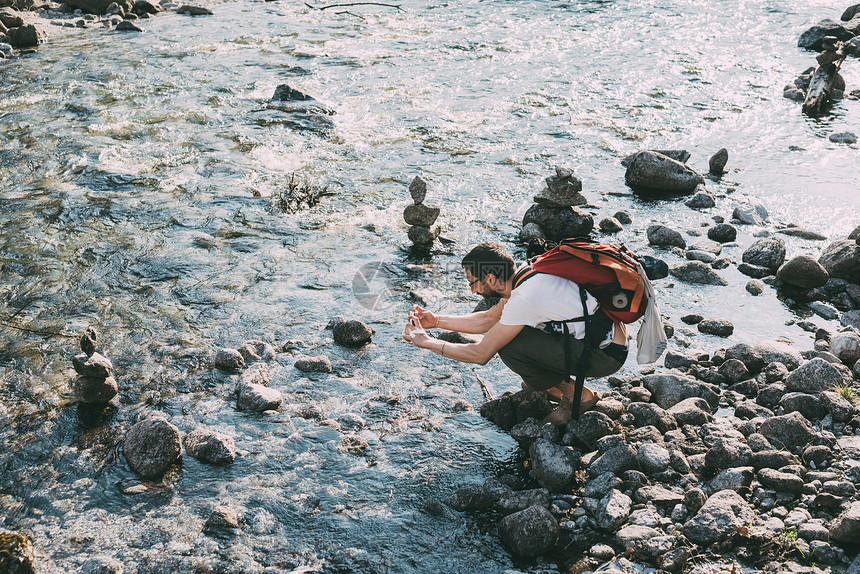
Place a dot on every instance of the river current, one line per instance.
(137, 177)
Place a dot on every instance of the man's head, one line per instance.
(488, 263)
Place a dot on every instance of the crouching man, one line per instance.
(536, 329)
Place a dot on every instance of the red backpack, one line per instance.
(609, 272)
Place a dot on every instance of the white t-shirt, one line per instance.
(544, 298)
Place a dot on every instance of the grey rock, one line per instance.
(846, 346)
(529, 532)
(850, 446)
(701, 200)
(813, 38)
(256, 375)
(516, 501)
(680, 155)
(803, 271)
(610, 225)
(680, 359)
(691, 411)
(717, 326)
(808, 405)
(842, 259)
(774, 352)
(708, 245)
(838, 406)
(702, 256)
(722, 514)
(824, 310)
(850, 12)
(475, 497)
(727, 453)
(589, 428)
(718, 162)
(846, 527)
(560, 222)
(814, 376)
(789, 431)
(422, 235)
(127, 26)
(95, 366)
(696, 272)
(624, 217)
(670, 389)
(636, 538)
(531, 231)
(27, 36)
(613, 510)
(780, 481)
(768, 252)
(352, 333)
(658, 496)
(653, 458)
(770, 395)
(737, 479)
(92, 390)
(222, 518)
(421, 214)
(10, 18)
(418, 190)
(817, 454)
(775, 372)
(851, 319)
(258, 398)
(193, 10)
(210, 446)
(553, 466)
(151, 446)
(318, 364)
(734, 370)
(615, 460)
(598, 487)
(774, 459)
(100, 6)
(562, 189)
(665, 237)
(353, 444)
(649, 414)
(747, 410)
(750, 214)
(229, 359)
(652, 171)
(723, 233)
(101, 565)
(754, 271)
(256, 351)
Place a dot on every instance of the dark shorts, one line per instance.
(538, 357)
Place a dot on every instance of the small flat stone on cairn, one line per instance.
(96, 365)
(418, 190)
(88, 341)
(95, 385)
(562, 189)
(151, 446)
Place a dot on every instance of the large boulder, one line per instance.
(210, 446)
(26, 36)
(814, 376)
(846, 527)
(652, 171)
(803, 271)
(558, 223)
(258, 398)
(529, 532)
(842, 260)
(10, 18)
(775, 352)
(553, 466)
(813, 38)
(669, 389)
(768, 252)
(151, 446)
(721, 515)
(696, 272)
(846, 346)
(17, 554)
(100, 6)
(789, 431)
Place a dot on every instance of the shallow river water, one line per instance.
(137, 176)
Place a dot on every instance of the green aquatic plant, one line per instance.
(298, 195)
(848, 392)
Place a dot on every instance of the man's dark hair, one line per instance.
(489, 258)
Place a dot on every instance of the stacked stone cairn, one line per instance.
(421, 217)
(95, 385)
(555, 215)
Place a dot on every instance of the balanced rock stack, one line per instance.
(95, 383)
(421, 216)
(554, 214)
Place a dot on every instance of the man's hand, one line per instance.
(425, 318)
(414, 332)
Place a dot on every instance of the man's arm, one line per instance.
(481, 352)
(473, 323)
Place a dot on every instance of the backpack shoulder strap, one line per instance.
(524, 273)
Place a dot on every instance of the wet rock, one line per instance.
(126, 26)
(680, 155)
(624, 217)
(562, 189)
(737, 479)
(193, 10)
(718, 161)
(727, 453)
(256, 351)
(516, 501)
(754, 271)
(589, 428)
(803, 271)
(613, 510)
(768, 252)
(750, 214)
(17, 554)
(553, 466)
(851, 319)
(258, 398)
(723, 233)
(100, 6)
(26, 36)
(318, 364)
(421, 235)
(353, 444)
(691, 411)
(652, 171)
(824, 310)
(151, 447)
(665, 237)
(774, 352)
(529, 532)
(670, 389)
(701, 200)
(502, 411)
(814, 376)
(210, 446)
(471, 497)
(846, 527)
(559, 222)
(696, 272)
(807, 405)
(101, 565)
(352, 333)
(421, 214)
(88, 341)
(780, 481)
(530, 430)
(813, 38)
(850, 12)
(610, 225)
(722, 514)
(95, 366)
(222, 518)
(229, 360)
(789, 431)
(846, 346)
(716, 326)
(142, 7)
(842, 259)
(93, 390)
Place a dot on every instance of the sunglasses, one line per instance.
(472, 283)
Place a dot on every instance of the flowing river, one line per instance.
(139, 174)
